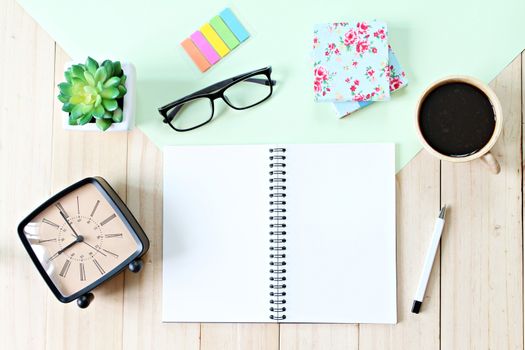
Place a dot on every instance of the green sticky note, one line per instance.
(224, 32)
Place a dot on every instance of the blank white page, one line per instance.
(341, 242)
(215, 263)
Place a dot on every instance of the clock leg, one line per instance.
(84, 300)
(136, 265)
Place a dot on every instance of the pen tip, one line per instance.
(442, 212)
(416, 306)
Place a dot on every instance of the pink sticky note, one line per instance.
(205, 48)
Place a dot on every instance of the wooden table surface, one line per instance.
(474, 299)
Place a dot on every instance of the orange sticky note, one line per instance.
(194, 53)
(214, 39)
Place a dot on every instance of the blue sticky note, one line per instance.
(233, 23)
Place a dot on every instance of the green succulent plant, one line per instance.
(93, 92)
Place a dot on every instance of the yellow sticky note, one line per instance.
(214, 40)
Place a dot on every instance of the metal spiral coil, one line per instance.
(277, 234)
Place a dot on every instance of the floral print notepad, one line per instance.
(350, 61)
(397, 81)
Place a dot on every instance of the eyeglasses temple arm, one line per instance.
(262, 81)
(224, 83)
(171, 114)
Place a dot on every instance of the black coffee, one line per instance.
(457, 119)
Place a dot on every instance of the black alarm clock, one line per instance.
(81, 237)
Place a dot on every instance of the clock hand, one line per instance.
(70, 226)
(79, 239)
(93, 247)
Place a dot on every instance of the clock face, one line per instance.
(79, 239)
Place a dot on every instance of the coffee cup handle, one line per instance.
(490, 161)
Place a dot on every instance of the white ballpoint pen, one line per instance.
(429, 261)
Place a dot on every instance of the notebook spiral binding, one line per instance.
(277, 233)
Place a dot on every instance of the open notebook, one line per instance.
(280, 233)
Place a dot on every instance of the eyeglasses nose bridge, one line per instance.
(219, 95)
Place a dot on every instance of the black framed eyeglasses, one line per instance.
(240, 92)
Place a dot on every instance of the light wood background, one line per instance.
(475, 296)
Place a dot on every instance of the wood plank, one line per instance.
(143, 328)
(319, 336)
(523, 179)
(26, 67)
(481, 257)
(75, 156)
(418, 191)
(240, 336)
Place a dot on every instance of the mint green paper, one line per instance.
(432, 39)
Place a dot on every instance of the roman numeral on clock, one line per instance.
(108, 219)
(49, 222)
(100, 269)
(61, 208)
(113, 235)
(94, 208)
(65, 268)
(46, 240)
(82, 272)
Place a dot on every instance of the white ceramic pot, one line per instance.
(128, 110)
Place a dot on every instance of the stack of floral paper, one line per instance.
(354, 65)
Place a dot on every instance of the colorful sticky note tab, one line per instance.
(235, 26)
(224, 32)
(205, 48)
(194, 53)
(215, 41)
